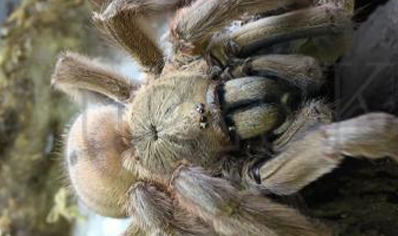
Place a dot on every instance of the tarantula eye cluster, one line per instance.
(200, 108)
(168, 152)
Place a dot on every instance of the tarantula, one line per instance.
(222, 121)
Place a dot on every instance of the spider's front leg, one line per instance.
(232, 212)
(311, 153)
(88, 81)
(124, 21)
(195, 25)
(325, 20)
(154, 211)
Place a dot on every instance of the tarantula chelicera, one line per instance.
(222, 121)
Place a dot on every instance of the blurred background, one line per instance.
(361, 199)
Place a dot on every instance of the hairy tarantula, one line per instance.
(221, 122)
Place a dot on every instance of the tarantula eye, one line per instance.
(94, 150)
(200, 108)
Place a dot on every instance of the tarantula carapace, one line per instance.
(222, 121)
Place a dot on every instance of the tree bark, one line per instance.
(32, 116)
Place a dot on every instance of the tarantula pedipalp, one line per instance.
(172, 153)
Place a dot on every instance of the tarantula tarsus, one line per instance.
(220, 122)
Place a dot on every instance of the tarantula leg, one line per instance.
(151, 209)
(374, 136)
(147, 6)
(194, 25)
(134, 230)
(312, 115)
(235, 213)
(300, 71)
(83, 79)
(97, 4)
(305, 23)
(155, 213)
(124, 22)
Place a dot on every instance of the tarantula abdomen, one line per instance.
(94, 149)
